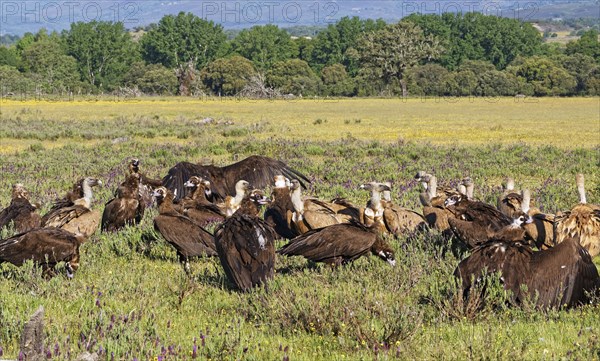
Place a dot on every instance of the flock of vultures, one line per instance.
(544, 257)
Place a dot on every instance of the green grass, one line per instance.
(130, 296)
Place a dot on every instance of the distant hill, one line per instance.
(19, 17)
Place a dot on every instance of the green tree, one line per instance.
(15, 82)
(474, 36)
(181, 39)
(153, 79)
(103, 50)
(338, 43)
(47, 58)
(388, 53)
(8, 56)
(227, 76)
(546, 77)
(264, 45)
(427, 79)
(336, 81)
(293, 76)
(587, 45)
(584, 68)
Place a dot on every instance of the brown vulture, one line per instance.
(196, 205)
(581, 222)
(45, 246)
(280, 209)
(555, 277)
(257, 170)
(69, 198)
(187, 237)
(77, 218)
(245, 244)
(435, 211)
(339, 244)
(146, 184)
(126, 208)
(310, 213)
(21, 212)
(475, 221)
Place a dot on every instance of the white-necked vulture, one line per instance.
(309, 213)
(187, 237)
(20, 212)
(46, 247)
(435, 211)
(257, 170)
(126, 208)
(339, 244)
(78, 218)
(582, 222)
(245, 244)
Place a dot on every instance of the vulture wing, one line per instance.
(119, 212)
(346, 241)
(42, 245)
(183, 171)
(246, 249)
(188, 238)
(63, 216)
(259, 171)
(562, 275)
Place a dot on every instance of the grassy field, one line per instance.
(131, 299)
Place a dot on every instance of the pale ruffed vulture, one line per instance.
(126, 208)
(400, 220)
(257, 170)
(435, 211)
(245, 244)
(77, 218)
(187, 237)
(309, 213)
(339, 244)
(46, 247)
(582, 222)
(554, 277)
(21, 212)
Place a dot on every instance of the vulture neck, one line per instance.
(581, 189)
(526, 200)
(375, 201)
(297, 200)
(387, 196)
(470, 189)
(432, 187)
(199, 192)
(248, 207)
(86, 200)
(165, 206)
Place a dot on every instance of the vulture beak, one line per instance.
(69, 270)
(189, 184)
(263, 200)
(450, 201)
(529, 220)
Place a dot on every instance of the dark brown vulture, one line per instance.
(581, 222)
(187, 237)
(78, 218)
(125, 209)
(279, 211)
(245, 244)
(21, 212)
(509, 202)
(196, 205)
(45, 246)
(257, 170)
(69, 198)
(339, 244)
(555, 277)
(475, 221)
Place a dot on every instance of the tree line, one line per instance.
(467, 54)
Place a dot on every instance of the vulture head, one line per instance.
(193, 182)
(19, 191)
(281, 181)
(162, 193)
(521, 220)
(453, 199)
(294, 184)
(509, 184)
(375, 187)
(92, 182)
(241, 187)
(468, 183)
(134, 165)
(258, 197)
(382, 250)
